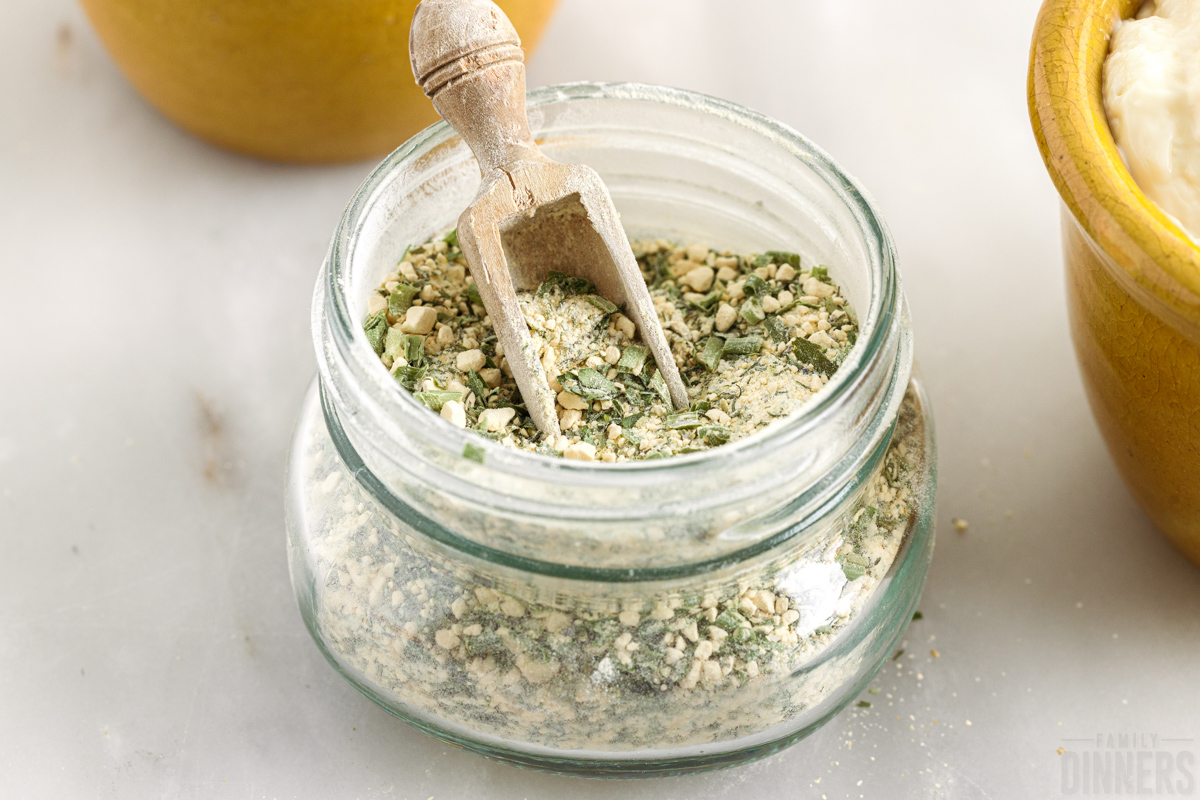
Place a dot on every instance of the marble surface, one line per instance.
(154, 347)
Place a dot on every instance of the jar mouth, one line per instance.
(875, 344)
(860, 462)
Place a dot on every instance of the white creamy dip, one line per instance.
(1152, 96)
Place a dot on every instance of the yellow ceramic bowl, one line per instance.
(307, 80)
(1133, 277)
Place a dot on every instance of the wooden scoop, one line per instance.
(532, 214)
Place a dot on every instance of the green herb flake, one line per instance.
(782, 257)
(709, 354)
(477, 387)
(752, 311)
(473, 295)
(393, 344)
(820, 273)
(864, 704)
(688, 419)
(409, 377)
(658, 384)
(918, 615)
(742, 346)
(564, 283)
(853, 571)
(708, 301)
(376, 330)
(434, 400)
(602, 303)
(595, 386)
(633, 359)
(473, 452)
(400, 300)
(896, 655)
(414, 349)
(755, 286)
(813, 354)
(452, 239)
(714, 435)
(777, 328)
(730, 621)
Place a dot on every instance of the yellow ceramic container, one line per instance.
(1133, 277)
(302, 80)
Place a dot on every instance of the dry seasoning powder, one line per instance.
(754, 337)
(708, 661)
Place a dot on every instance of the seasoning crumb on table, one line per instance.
(754, 337)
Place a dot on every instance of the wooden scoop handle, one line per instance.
(467, 58)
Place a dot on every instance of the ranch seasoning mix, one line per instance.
(613, 667)
(755, 336)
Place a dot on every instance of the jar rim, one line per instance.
(884, 305)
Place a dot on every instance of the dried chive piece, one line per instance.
(659, 385)
(477, 387)
(376, 329)
(393, 344)
(434, 400)
(414, 349)
(864, 704)
(631, 420)
(683, 421)
(897, 654)
(714, 435)
(409, 377)
(918, 615)
(709, 354)
(811, 353)
(777, 329)
(633, 359)
(782, 257)
(630, 436)
(755, 286)
(452, 239)
(820, 273)
(742, 346)
(707, 302)
(473, 452)
(752, 311)
(400, 300)
(602, 303)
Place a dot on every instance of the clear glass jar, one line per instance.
(650, 616)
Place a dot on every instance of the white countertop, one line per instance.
(154, 347)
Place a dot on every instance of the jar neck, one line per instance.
(682, 514)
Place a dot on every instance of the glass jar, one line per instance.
(642, 617)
